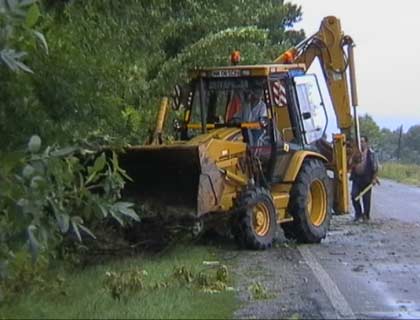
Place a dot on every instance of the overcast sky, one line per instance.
(387, 37)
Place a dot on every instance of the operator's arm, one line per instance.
(263, 111)
(260, 111)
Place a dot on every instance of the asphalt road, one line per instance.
(398, 201)
(379, 273)
(361, 270)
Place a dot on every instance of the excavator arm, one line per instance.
(329, 46)
(334, 50)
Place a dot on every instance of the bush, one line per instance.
(49, 193)
(406, 173)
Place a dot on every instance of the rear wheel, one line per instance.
(310, 204)
(254, 226)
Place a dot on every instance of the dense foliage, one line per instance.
(16, 21)
(49, 193)
(73, 69)
(109, 62)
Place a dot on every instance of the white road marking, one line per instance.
(337, 299)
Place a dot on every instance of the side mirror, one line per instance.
(306, 115)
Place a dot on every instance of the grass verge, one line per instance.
(84, 294)
(405, 173)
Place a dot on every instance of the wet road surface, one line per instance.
(398, 201)
(376, 267)
(364, 270)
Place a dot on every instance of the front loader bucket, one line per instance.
(176, 178)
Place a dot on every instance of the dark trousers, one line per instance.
(358, 186)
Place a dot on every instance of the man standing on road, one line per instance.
(363, 173)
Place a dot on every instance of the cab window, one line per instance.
(311, 107)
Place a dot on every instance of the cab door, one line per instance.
(311, 107)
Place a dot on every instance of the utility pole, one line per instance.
(399, 143)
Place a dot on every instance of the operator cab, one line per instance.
(278, 108)
(232, 103)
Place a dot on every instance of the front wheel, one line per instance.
(310, 204)
(254, 226)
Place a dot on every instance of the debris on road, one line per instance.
(358, 268)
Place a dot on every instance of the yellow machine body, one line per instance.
(213, 166)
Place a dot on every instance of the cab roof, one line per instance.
(246, 70)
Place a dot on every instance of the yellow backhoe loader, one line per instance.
(256, 173)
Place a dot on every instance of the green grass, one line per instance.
(86, 297)
(405, 173)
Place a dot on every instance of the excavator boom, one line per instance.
(328, 45)
(334, 51)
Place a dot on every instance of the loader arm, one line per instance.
(328, 45)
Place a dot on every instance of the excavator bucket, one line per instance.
(180, 179)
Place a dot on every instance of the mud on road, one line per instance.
(363, 270)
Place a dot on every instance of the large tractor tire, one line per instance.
(310, 204)
(254, 225)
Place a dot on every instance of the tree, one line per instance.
(370, 128)
(412, 138)
(387, 145)
(411, 145)
(110, 61)
(17, 18)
